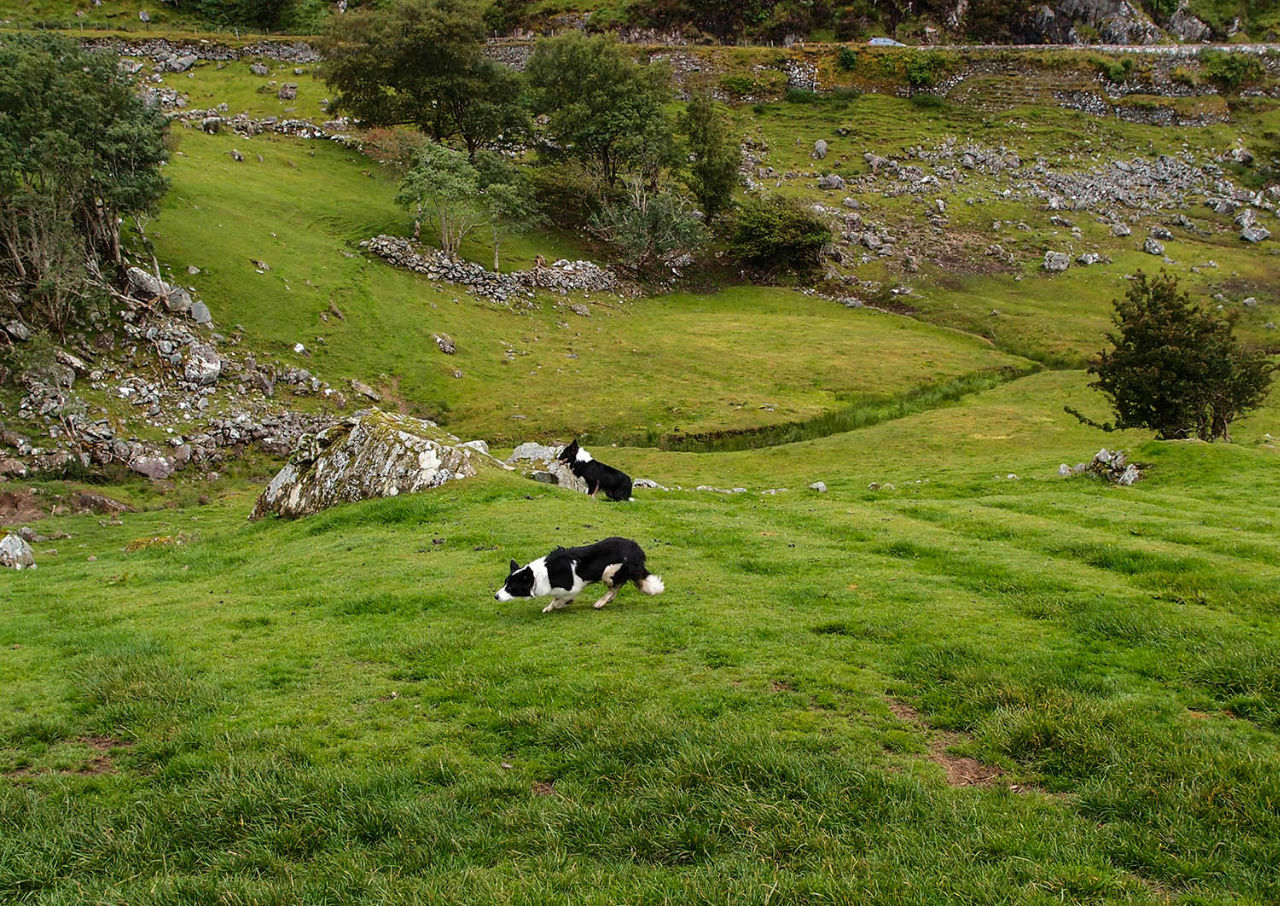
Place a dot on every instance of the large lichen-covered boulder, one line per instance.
(375, 454)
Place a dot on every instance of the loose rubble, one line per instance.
(15, 553)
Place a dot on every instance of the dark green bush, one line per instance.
(778, 234)
(1230, 71)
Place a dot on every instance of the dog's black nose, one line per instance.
(495, 596)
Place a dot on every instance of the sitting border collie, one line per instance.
(566, 571)
(616, 484)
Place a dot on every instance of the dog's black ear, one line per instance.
(514, 566)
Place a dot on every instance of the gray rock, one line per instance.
(1255, 234)
(531, 451)
(445, 343)
(16, 553)
(1089, 258)
(1153, 246)
(178, 300)
(1184, 26)
(818, 486)
(1246, 218)
(181, 63)
(203, 365)
(17, 330)
(1161, 233)
(580, 310)
(288, 92)
(477, 445)
(378, 454)
(211, 124)
(819, 150)
(1056, 262)
(200, 314)
(259, 69)
(146, 284)
(157, 468)
(365, 390)
(144, 16)
(261, 382)
(545, 477)
(1120, 229)
(13, 468)
(1250, 302)
(831, 181)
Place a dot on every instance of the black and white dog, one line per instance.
(566, 571)
(599, 477)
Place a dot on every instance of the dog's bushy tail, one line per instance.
(651, 585)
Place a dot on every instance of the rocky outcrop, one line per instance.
(374, 454)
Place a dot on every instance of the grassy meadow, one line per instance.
(953, 677)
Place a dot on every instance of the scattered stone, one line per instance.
(13, 468)
(365, 390)
(1255, 234)
(200, 314)
(378, 454)
(259, 69)
(831, 181)
(17, 330)
(1153, 246)
(203, 365)
(1250, 302)
(818, 486)
(531, 451)
(288, 92)
(1056, 262)
(1089, 258)
(157, 468)
(1120, 229)
(580, 310)
(445, 343)
(16, 553)
(819, 150)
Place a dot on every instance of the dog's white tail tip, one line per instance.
(652, 585)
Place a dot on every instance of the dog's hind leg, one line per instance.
(557, 604)
(608, 596)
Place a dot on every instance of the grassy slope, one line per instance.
(335, 710)
(738, 359)
(278, 733)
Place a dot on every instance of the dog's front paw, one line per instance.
(550, 607)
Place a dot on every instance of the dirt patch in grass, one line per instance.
(21, 506)
(544, 788)
(960, 770)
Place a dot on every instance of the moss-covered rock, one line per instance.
(376, 454)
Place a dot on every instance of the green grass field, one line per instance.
(954, 677)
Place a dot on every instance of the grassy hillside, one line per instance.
(952, 677)
(222, 719)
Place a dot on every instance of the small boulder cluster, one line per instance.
(1111, 466)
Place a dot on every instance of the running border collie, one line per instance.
(566, 571)
(615, 483)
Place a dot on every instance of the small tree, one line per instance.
(647, 227)
(79, 152)
(444, 184)
(422, 63)
(508, 198)
(713, 172)
(602, 107)
(1176, 366)
(776, 233)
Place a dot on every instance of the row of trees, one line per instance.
(609, 153)
(79, 152)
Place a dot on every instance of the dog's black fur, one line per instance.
(567, 571)
(615, 483)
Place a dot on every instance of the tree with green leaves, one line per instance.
(716, 155)
(508, 198)
(646, 227)
(79, 153)
(445, 186)
(1175, 366)
(602, 107)
(422, 63)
